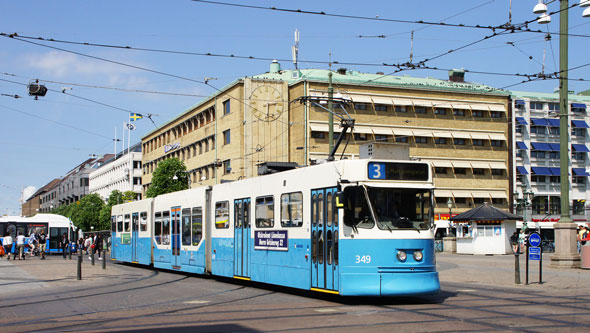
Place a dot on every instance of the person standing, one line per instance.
(7, 243)
(32, 243)
(20, 246)
(64, 243)
(98, 246)
(42, 244)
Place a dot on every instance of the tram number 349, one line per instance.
(363, 259)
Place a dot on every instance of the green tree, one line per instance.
(129, 196)
(115, 198)
(86, 213)
(64, 210)
(163, 178)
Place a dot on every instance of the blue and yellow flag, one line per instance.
(135, 116)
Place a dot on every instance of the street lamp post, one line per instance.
(450, 205)
(566, 254)
(524, 202)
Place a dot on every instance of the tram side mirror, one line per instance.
(340, 199)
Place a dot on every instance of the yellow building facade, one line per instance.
(462, 128)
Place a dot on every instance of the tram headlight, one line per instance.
(401, 255)
(418, 255)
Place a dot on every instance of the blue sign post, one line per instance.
(535, 252)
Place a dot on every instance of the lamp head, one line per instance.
(450, 203)
(544, 19)
(540, 8)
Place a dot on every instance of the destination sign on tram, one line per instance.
(398, 171)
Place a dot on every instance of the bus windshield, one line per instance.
(388, 208)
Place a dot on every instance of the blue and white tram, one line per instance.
(351, 227)
(53, 225)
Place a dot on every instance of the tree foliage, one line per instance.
(86, 213)
(163, 178)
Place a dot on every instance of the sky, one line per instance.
(93, 89)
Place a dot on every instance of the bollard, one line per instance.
(92, 258)
(82, 253)
(79, 276)
(516, 267)
(104, 262)
(70, 251)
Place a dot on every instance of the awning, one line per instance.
(500, 194)
(555, 171)
(362, 130)
(500, 137)
(382, 131)
(441, 105)
(554, 146)
(422, 133)
(442, 134)
(579, 124)
(497, 108)
(443, 193)
(442, 164)
(521, 170)
(520, 102)
(480, 136)
(397, 101)
(498, 165)
(521, 145)
(521, 121)
(579, 106)
(361, 99)
(461, 194)
(319, 127)
(402, 132)
(540, 146)
(540, 121)
(480, 165)
(580, 148)
(480, 194)
(461, 135)
(541, 171)
(553, 122)
(461, 106)
(580, 172)
(461, 164)
(382, 100)
(427, 104)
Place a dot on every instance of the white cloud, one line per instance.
(60, 64)
(28, 192)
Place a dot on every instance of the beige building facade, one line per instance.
(462, 128)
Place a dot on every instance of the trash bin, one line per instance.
(585, 255)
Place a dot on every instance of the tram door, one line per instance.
(324, 239)
(242, 237)
(175, 236)
(134, 235)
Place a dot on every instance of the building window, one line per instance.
(578, 207)
(440, 112)
(380, 107)
(554, 130)
(381, 138)
(360, 136)
(497, 172)
(401, 108)
(537, 154)
(226, 167)
(318, 135)
(578, 110)
(440, 170)
(420, 109)
(226, 137)
(578, 180)
(460, 171)
(538, 129)
(555, 179)
(496, 114)
(518, 128)
(496, 143)
(440, 141)
(401, 139)
(479, 172)
(477, 142)
(478, 201)
(226, 107)
(458, 141)
(537, 179)
(265, 212)
(579, 132)
(536, 106)
(477, 113)
(553, 106)
(421, 139)
(360, 106)
(459, 113)
(579, 156)
(460, 200)
(497, 201)
(554, 154)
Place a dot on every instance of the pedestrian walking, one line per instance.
(98, 246)
(87, 243)
(7, 243)
(20, 246)
(32, 243)
(64, 244)
(42, 244)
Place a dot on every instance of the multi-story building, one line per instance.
(33, 205)
(461, 127)
(536, 126)
(121, 173)
(73, 186)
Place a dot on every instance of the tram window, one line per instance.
(120, 223)
(313, 210)
(238, 214)
(166, 228)
(143, 221)
(265, 211)
(314, 247)
(113, 223)
(357, 212)
(330, 248)
(158, 227)
(330, 209)
(320, 247)
(127, 222)
(186, 226)
(292, 210)
(336, 248)
(247, 214)
(197, 221)
(222, 215)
